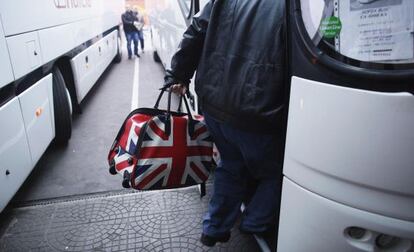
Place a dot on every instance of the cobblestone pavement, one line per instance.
(150, 221)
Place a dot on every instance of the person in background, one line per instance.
(131, 32)
(139, 24)
(238, 49)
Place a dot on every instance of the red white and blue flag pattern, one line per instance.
(164, 161)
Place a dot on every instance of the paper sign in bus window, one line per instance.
(368, 4)
(377, 30)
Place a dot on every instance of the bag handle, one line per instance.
(191, 120)
(182, 97)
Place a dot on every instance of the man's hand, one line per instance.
(179, 89)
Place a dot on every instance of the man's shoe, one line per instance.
(129, 57)
(137, 54)
(210, 241)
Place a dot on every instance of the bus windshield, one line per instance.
(365, 33)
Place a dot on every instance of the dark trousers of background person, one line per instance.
(132, 37)
(141, 38)
(245, 157)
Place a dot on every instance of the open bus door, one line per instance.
(349, 163)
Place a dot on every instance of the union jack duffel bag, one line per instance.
(162, 149)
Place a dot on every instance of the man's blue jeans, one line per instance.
(245, 157)
(132, 37)
(141, 38)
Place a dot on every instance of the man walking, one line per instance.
(238, 50)
(131, 32)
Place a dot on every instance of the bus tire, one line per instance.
(62, 108)
(118, 56)
(156, 57)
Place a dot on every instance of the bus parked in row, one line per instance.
(51, 54)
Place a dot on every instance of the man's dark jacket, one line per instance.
(238, 50)
(128, 19)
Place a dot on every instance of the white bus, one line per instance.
(349, 166)
(348, 171)
(51, 54)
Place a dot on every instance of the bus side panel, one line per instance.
(355, 142)
(83, 71)
(53, 48)
(27, 15)
(91, 63)
(35, 104)
(112, 45)
(79, 32)
(15, 159)
(6, 73)
(108, 49)
(309, 222)
(25, 53)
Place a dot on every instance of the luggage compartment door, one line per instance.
(6, 72)
(36, 104)
(15, 160)
(25, 53)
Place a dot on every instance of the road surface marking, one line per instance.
(135, 86)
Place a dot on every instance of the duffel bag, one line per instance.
(162, 149)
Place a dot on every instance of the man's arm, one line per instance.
(185, 60)
(125, 19)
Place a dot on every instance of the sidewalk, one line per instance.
(118, 221)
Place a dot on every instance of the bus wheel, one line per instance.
(62, 107)
(156, 57)
(118, 56)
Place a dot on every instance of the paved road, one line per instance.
(80, 167)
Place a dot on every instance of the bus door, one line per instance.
(349, 163)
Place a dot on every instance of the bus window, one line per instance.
(377, 34)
